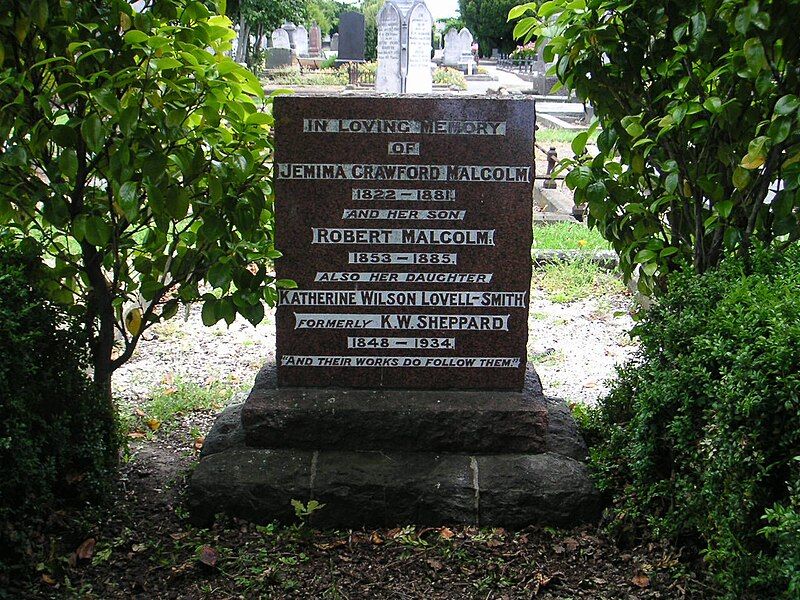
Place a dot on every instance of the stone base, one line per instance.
(395, 457)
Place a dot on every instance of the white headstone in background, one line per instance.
(466, 60)
(419, 79)
(280, 39)
(388, 77)
(452, 48)
(404, 47)
(301, 41)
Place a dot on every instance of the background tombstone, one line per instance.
(452, 48)
(388, 78)
(351, 37)
(315, 40)
(278, 57)
(404, 48)
(419, 79)
(335, 42)
(280, 39)
(326, 42)
(301, 41)
(465, 60)
(290, 29)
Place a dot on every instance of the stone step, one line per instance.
(384, 489)
(484, 422)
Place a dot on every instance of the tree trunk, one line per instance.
(244, 39)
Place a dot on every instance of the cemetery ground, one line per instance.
(143, 546)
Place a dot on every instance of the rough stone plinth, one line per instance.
(401, 420)
(373, 489)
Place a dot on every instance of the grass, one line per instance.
(564, 136)
(172, 401)
(565, 282)
(568, 236)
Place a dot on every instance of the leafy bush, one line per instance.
(448, 76)
(293, 76)
(58, 436)
(700, 433)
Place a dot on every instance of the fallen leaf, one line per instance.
(86, 550)
(493, 543)
(138, 412)
(179, 535)
(153, 424)
(47, 579)
(138, 547)
(435, 564)
(376, 538)
(570, 544)
(198, 443)
(208, 556)
(136, 435)
(393, 533)
(446, 533)
(641, 580)
(329, 545)
(559, 549)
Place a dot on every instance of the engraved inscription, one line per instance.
(366, 214)
(417, 343)
(376, 172)
(391, 277)
(381, 126)
(435, 237)
(402, 258)
(450, 362)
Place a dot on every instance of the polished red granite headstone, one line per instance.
(406, 223)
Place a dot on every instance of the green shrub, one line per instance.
(700, 432)
(293, 76)
(448, 76)
(58, 436)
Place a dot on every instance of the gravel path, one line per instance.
(574, 347)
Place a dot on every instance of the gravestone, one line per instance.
(335, 42)
(290, 29)
(404, 48)
(326, 42)
(466, 59)
(301, 41)
(280, 39)
(401, 392)
(452, 48)
(278, 58)
(315, 40)
(351, 37)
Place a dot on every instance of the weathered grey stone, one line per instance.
(227, 431)
(422, 421)
(388, 488)
(256, 484)
(536, 488)
(563, 436)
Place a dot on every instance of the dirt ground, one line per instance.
(145, 548)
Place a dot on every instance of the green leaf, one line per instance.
(724, 208)
(288, 284)
(634, 129)
(787, 105)
(754, 55)
(162, 64)
(579, 143)
(671, 183)
(780, 129)
(220, 274)
(741, 178)
(713, 105)
(596, 192)
(134, 36)
(178, 204)
(645, 256)
(209, 312)
(92, 131)
(97, 232)
(517, 11)
(129, 200)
